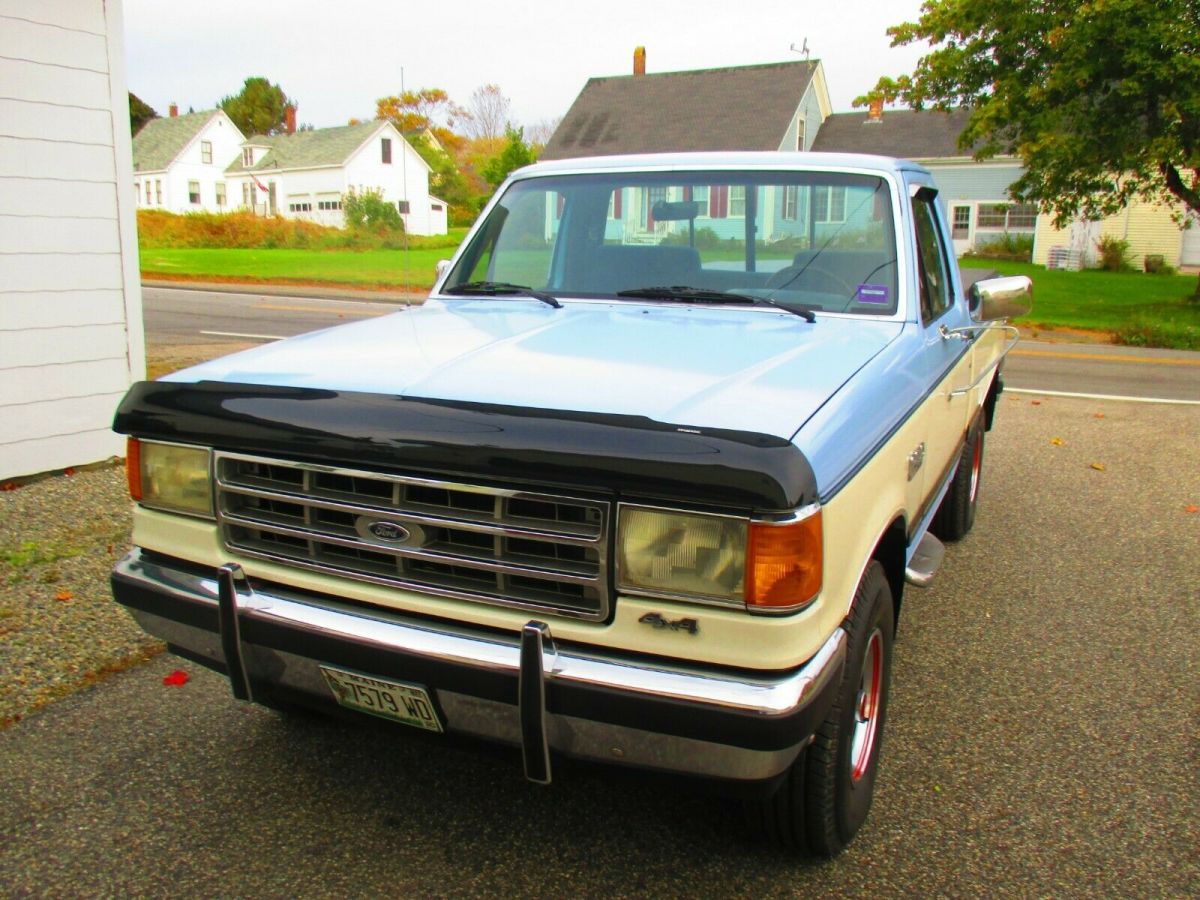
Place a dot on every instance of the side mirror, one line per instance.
(443, 265)
(1000, 298)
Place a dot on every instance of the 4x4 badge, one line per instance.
(656, 620)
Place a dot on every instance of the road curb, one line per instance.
(291, 290)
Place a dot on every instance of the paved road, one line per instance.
(176, 317)
(1042, 740)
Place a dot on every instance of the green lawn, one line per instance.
(369, 268)
(1138, 309)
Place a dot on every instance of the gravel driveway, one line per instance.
(1042, 738)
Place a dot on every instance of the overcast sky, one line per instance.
(335, 57)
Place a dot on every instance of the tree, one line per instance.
(487, 113)
(1099, 98)
(427, 108)
(540, 132)
(140, 113)
(258, 108)
(516, 153)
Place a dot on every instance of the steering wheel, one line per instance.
(786, 278)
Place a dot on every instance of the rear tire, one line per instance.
(826, 794)
(956, 515)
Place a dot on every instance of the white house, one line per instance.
(305, 174)
(179, 162)
(70, 302)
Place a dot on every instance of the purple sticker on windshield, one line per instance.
(873, 293)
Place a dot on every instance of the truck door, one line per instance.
(947, 356)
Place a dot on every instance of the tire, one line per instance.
(826, 794)
(956, 515)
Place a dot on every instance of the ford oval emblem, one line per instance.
(388, 531)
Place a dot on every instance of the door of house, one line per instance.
(960, 228)
(1084, 235)
(1189, 254)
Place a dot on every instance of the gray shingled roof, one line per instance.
(307, 149)
(741, 108)
(927, 134)
(161, 140)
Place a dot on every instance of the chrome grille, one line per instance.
(516, 548)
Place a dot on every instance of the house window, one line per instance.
(1023, 216)
(700, 196)
(221, 193)
(829, 204)
(385, 145)
(961, 228)
(436, 207)
(245, 195)
(651, 196)
(158, 192)
(402, 205)
(206, 152)
(147, 192)
(790, 196)
(800, 134)
(247, 156)
(328, 205)
(194, 192)
(992, 215)
(737, 201)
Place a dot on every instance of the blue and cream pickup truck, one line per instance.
(643, 481)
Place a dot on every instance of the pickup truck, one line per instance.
(642, 481)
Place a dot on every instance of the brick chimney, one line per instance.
(875, 111)
(174, 110)
(639, 61)
(289, 119)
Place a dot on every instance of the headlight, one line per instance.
(770, 566)
(170, 477)
(682, 553)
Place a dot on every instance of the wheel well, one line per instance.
(891, 553)
(989, 402)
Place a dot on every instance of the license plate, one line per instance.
(406, 703)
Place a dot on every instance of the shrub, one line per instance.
(244, 230)
(368, 211)
(1013, 247)
(1114, 254)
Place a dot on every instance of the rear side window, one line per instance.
(933, 269)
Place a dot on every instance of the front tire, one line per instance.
(826, 794)
(956, 514)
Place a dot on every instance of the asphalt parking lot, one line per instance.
(1043, 738)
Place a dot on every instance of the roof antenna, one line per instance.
(803, 49)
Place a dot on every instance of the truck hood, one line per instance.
(756, 370)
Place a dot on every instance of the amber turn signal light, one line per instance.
(133, 467)
(784, 563)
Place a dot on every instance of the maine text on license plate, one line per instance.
(405, 703)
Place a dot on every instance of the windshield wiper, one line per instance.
(501, 289)
(701, 295)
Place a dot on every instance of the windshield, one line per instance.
(811, 240)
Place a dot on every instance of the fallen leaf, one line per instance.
(1057, 442)
(1035, 402)
(178, 678)
(1191, 508)
(1099, 415)
(69, 471)
(64, 595)
(8, 486)
(1099, 467)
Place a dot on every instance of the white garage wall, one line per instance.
(71, 339)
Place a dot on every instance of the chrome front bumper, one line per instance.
(587, 703)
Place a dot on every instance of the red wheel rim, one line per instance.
(866, 708)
